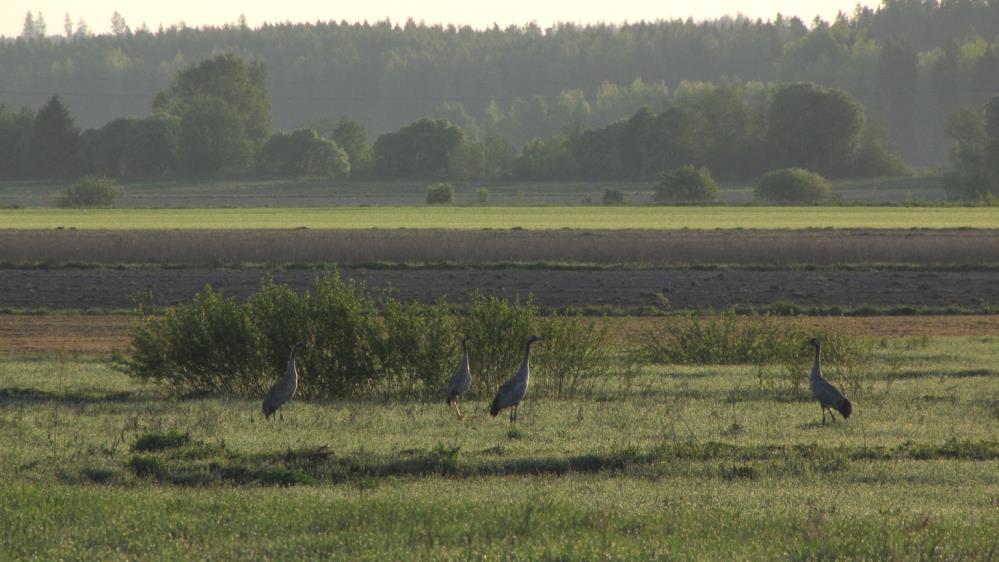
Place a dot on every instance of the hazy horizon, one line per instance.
(97, 14)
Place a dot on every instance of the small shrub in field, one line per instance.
(686, 184)
(774, 346)
(613, 197)
(792, 185)
(91, 191)
(482, 195)
(440, 194)
(498, 329)
(572, 355)
(156, 441)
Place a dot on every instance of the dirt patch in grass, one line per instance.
(79, 333)
(69, 333)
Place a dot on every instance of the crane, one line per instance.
(284, 389)
(460, 380)
(513, 390)
(829, 396)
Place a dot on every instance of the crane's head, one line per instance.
(531, 339)
(466, 338)
(298, 345)
(814, 342)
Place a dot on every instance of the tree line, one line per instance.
(909, 62)
(214, 120)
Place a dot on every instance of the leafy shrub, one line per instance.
(302, 153)
(613, 197)
(91, 191)
(356, 346)
(482, 195)
(572, 355)
(418, 348)
(498, 329)
(686, 184)
(792, 185)
(440, 194)
(775, 347)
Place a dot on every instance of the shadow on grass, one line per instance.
(187, 462)
(31, 396)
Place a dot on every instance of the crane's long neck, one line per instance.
(816, 367)
(464, 359)
(524, 371)
(291, 372)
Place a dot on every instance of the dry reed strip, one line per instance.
(657, 247)
(81, 333)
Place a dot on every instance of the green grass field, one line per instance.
(534, 218)
(660, 462)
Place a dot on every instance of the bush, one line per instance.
(91, 191)
(482, 195)
(440, 194)
(793, 185)
(302, 154)
(498, 329)
(774, 346)
(613, 197)
(572, 355)
(686, 184)
(356, 346)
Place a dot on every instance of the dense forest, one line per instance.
(562, 102)
(911, 63)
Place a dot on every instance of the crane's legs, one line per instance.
(457, 409)
(515, 408)
(823, 408)
(832, 415)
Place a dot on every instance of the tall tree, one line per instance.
(224, 113)
(54, 141)
(815, 128)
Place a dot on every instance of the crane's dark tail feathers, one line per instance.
(494, 408)
(845, 408)
(267, 409)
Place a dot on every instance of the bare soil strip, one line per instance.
(116, 289)
(775, 247)
(78, 333)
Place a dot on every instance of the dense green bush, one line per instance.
(482, 195)
(440, 194)
(613, 197)
(793, 185)
(356, 345)
(91, 191)
(686, 184)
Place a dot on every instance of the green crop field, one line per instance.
(534, 218)
(659, 462)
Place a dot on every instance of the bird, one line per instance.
(513, 390)
(829, 396)
(460, 380)
(284, 389)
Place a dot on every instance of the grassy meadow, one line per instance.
(499, 217)
(658, 461)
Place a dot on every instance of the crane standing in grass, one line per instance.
(460, 380)
(513, 390)
(829, 396)
(284, 389)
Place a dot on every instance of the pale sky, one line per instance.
(97, 13)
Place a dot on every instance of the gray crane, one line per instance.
(829, 396)
(460, 380)
(513, 390)
(284, 389)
